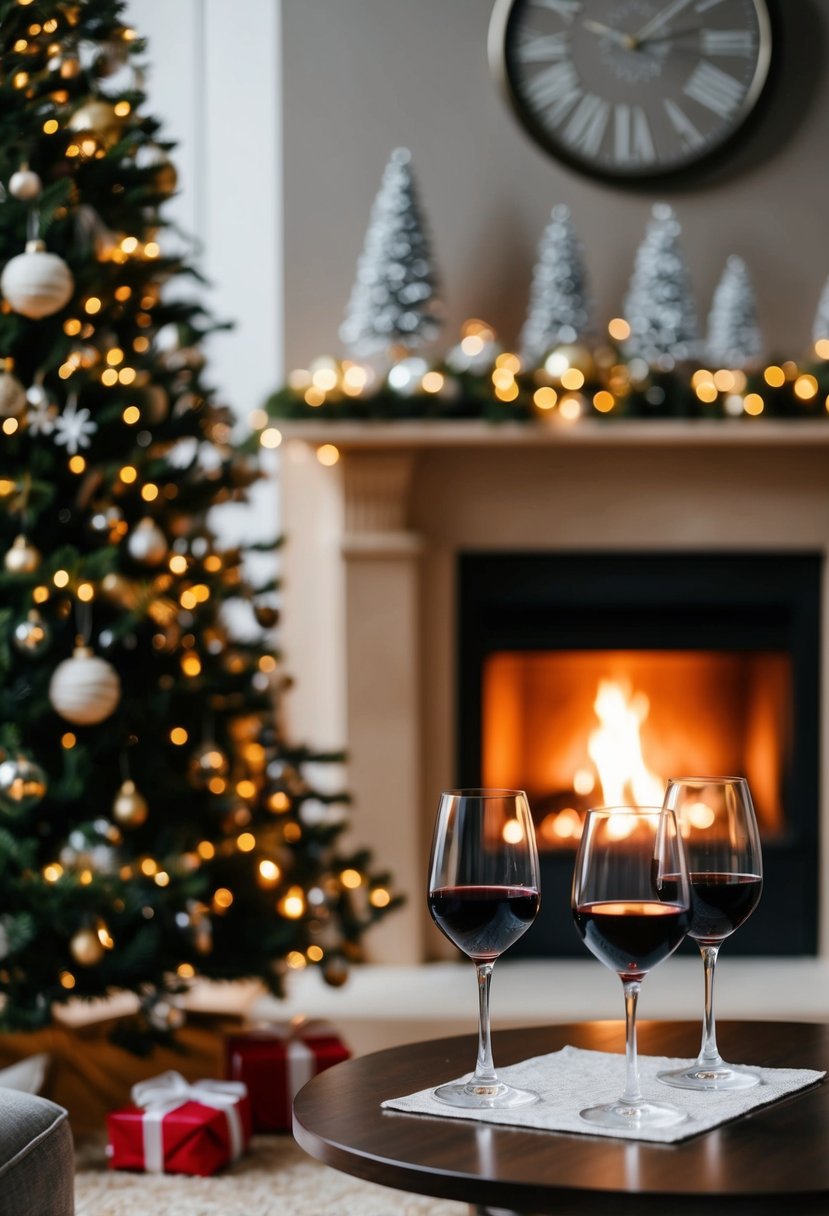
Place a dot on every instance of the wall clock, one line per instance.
(632, 90)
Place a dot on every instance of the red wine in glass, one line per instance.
(631, 920)
(631, 936)
(722, 846)
(483, 894)
(483, 922)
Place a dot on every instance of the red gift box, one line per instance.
(178, 1128)
(276, 1061)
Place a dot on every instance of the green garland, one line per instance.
(612, 388)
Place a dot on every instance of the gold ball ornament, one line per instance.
(22, 784)
(86, 947)
(207, 762)
(12, 396)
(31, 636)
(571, 356)
(25, 184)
(97, 119)
(23, 557)
(84, 689)
(130, 807)
(147, 544)
(37, 284)
(335, 972)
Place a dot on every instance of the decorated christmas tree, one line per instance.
(559, 310)
(734, 339)
(393, 303)
(659, 306)
(155, 824)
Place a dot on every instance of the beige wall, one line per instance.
(364, 76)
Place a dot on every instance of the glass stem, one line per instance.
(633, 1093)
(708, 1052)
(484, 1069)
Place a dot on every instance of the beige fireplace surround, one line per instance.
(369, 609)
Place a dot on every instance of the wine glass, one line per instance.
(631, 904)
(483, 895)
(725, 866)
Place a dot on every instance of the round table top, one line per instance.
(773, 1160)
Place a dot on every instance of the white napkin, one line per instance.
(569, 1080)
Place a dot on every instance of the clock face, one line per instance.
(631, 89)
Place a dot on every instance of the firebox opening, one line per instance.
(593, 677)
(587, 728)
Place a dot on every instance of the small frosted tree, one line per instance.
(820, 327)
(734, 338)
(394, 300)
(559, 310)
(659, 305)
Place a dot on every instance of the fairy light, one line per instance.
(149, 492)
(619, 329)
(148, 867)
(270, 438)
(53, 872)
(328, 455)
(40, 595)
(754, 404)
(66, 978)
(104, 936)
(10, 425)
(822, 348)
(292, 833)
(295, 960)
(213, 563)
(185, 971)
(20, 80)
(128, 474)
(269, 872)
(379, 898)
(292, 904)
(109, 377)
(162, 879)
(191, 665)
(85, 592)
(246, 842)
(60, 578)
(267, 663)
(315, 954)
(206, 850)
(20, 46)
(570, 408)
(50, 126)
(92, 305)
(545, 398)
(432, 382)
(351, 879)
(77, 464)
(246, 788)
(279, 802)
(805, 387)
(502, 378)
(179, 736)
(313, 397)
(222, 898)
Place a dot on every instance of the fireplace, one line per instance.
(590, 678)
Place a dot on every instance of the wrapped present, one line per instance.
(174, 1127)
(275, 1061)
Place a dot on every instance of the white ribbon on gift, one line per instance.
(299, 1058)
(169, 1090)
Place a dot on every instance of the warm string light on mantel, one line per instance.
(477, 378)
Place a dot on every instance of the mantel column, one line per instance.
(382, 654)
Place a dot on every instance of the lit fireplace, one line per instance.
(609, 727)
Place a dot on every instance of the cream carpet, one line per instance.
(276, 1178)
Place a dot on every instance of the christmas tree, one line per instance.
(155, 825)
(659, 306)
(734, 339)
(394, 299)
(559, 311)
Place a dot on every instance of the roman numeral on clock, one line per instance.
(555, 88)
(632, 140)
(682, 124)
(566, 9)
(726, 42)
(586, 125)
(541, 48)
(714, 89)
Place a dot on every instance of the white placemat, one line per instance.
(569, 1080)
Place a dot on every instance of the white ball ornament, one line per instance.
(36, 283)
(12, 396)
(25, 184)
(147, 543)
(84, 689)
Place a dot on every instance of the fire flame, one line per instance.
(615, 747)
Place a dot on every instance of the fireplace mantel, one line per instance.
(369, 576)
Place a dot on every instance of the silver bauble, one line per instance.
(147, 543)
(31, 636)
(22, 783)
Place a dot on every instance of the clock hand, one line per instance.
(659, 20)
(598, 27)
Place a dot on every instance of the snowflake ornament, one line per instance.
(74, 428)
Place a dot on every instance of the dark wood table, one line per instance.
(771, 1162)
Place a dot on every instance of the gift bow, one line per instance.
(169, 1090)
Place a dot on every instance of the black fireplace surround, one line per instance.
(730, 601)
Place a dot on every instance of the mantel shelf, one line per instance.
(377, 435)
